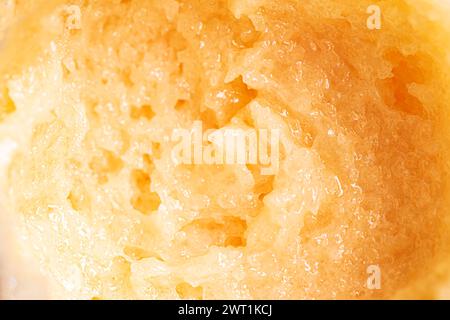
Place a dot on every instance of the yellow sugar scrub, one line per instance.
(93, 205)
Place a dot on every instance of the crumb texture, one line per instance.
(86, 151)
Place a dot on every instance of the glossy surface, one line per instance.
(88, 115)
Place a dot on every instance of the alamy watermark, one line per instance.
(374, 279)
(72, 17)
(374, 20)
(228, 146)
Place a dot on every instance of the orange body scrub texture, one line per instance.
(88, 104)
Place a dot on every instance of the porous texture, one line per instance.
(87, 115)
